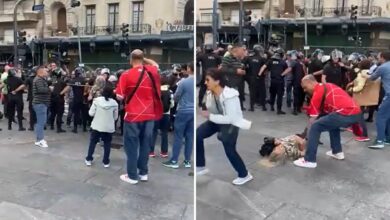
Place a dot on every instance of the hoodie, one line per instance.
(229, 104)
(104, 114)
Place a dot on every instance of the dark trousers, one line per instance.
(202, 92)
(15, 103)
(299, 97)
(57, 108)
(331, 123)
(70, 113)
(228, 135)
(276, 91)
(95, 137)
(163, 125)
(289, 88)
(33, 117)
(261, 92)
(80, 114)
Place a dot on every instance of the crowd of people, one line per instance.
(328, 88)
(138, 104)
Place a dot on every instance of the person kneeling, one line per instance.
(104, 109)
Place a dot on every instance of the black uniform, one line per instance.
(80, 110)
(15, 101)
(315, 65)
(230, 65)
(257, 89)
(57, 101)
(208, 60)
(297, 75)
(276, 90)
(335, 74)
(33, 118)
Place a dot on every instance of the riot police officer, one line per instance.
(79, 106)
(207, 60)
(257, 89)
(29, 84)
(15, 87)
(58, 81)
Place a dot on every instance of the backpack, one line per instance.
(166, 95)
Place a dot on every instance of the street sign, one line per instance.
(38, 7)
(306, 47)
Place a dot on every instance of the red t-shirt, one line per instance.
(337, 100)
(144, 106)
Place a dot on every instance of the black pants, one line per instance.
(276, 91)
(70, 113)
(202, 92)
(33, 117)
(228, 135)
(80, 115)
(95, 137)
(257, 91)
(15, 103)
(57, 108)
(299, 97)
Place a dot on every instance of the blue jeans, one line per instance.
(331, 123)
(383, 119)
(228, 135)
(184, 127)
(94, 139)
(41, 113)
(137, 141)
(162, 125)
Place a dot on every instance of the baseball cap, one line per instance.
(105, 70)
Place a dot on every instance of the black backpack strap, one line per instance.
(322, 106)
(128, 98)
(153, 84)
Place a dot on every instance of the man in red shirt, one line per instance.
(139, 87)
(329, 113)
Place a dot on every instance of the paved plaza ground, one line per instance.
(356, 188)
(54, 183)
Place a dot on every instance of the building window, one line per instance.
(341, 5)
(366, 5)
(113, 16)
(318, 7)
(138, 16)
(206, 17)
(90, 19)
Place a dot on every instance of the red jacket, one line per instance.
(145, 105)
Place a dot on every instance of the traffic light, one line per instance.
(22, 37)
(74, 3)
(354, 12)
(247, 18)
(125, 30)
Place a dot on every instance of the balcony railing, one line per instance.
(373, 11)
(108, 30)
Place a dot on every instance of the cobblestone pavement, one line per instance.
(356, 188)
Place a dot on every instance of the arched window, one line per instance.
(61, 19)
(189, 13)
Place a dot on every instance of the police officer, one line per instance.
(276, 65)
(297, 70)
(58, 81)
(28, 83)
(79, 107)
(257, 89)
(207, 60)
(315, 65)
(15, 87)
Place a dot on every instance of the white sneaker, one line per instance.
(41, 143)
(88, 163)
(305, 164)
(338, 156)
(143, 178)
(200, 171)
(377, 145)
(241, 181)
(106, 165)
(125, 178)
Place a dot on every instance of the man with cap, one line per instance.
(257, 89)
(207, 60)
(276, 65)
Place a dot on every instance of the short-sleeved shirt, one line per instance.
(253, 65)
(297, 72)
(336, 100)
(291, 147)
(77, 85)
(13, 83)
(276, 68)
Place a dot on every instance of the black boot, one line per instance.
(295, 112)
(280, 112)
(22, 129)
(60, 130)
(252, 109)
(74, 130)
(264, 108)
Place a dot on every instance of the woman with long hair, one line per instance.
(224, 116)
